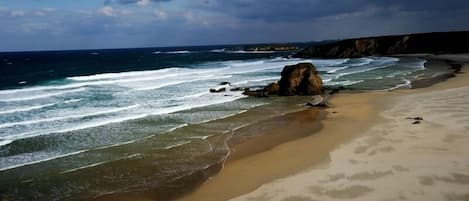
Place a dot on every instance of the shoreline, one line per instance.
(256, 149)
(227, 184)
(247, 173)
(396, 159)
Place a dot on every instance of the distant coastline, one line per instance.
(433, 43)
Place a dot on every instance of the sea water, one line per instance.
(79, 124)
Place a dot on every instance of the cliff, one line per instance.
(436, 43)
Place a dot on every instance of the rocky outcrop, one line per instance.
(436, 43)
(300, 79)
(217, 90)
(272, 89)
(256, 93)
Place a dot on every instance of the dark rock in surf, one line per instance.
(300, 79)
(272, 89)
(237, 89)
(217, 90)
(256, 93)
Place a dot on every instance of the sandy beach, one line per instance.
(368, 149)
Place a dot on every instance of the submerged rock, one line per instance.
(237, 89)
(255, 93)
(225, 83)
(217, 90)
(300, 79)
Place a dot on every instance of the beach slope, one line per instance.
(400, 158)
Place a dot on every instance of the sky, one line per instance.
(27, 25)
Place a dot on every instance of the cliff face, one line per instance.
(437, 43)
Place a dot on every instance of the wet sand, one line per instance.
(349, 115)
(395, 159)
(366, 150)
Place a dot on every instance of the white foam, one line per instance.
(40, 96)
(122, 119)
(407, 84)
(5, 142)
(161, 85)
(120, 75)
(118, 78)
(79, 127)
(201, 137)
(178, 52)
(345, 83)
(364, 61)
(335, 69)
(328, 62)
(222, 117)
(85, 167)
(177, 127)
(218, 50)
(178, 144)
(26, 109)
(37, 121)
(73, 100)
(248, 63)
(256, 80)
(40, 161)
(192, 96)
(363, 70)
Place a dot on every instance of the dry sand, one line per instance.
(395, 159)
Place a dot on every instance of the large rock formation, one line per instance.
(300, 79)
(436, 43)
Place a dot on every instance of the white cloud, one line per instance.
(143, 2)
(162, 15)
(107, 10)
(49, 9)
(17, 13)
(40, 14)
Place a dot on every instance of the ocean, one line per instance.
(75, 125)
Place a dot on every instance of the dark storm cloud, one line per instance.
(281, 10)
(138, 23)
(109, 2)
